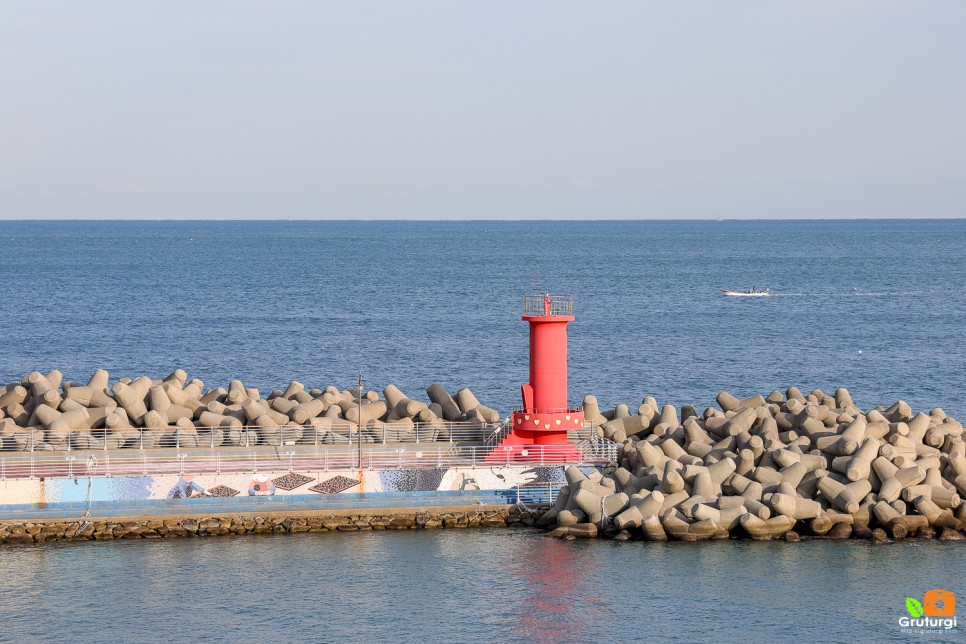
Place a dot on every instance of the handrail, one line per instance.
(30, 465)
(549, 410)
(548, 305)
(134, 438)
(537, 493)
(33, 439)
(501, 430)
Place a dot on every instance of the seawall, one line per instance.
(99, 507)
(155, 527)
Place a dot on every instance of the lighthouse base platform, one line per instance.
(539, 436)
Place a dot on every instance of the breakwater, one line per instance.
(783, 465)
(496, 516)
(45, 412)
(776, 466)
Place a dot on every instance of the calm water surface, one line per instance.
(464, 585)
(877, 306)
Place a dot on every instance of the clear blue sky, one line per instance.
(454, 110)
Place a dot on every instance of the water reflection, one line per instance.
(558, 599)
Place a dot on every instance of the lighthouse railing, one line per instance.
(538, 305)
(550, 410)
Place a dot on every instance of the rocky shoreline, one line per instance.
(785, 465)
(20, 532)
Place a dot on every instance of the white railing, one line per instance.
(542, 493)
(33, 440)
(499, 432)
(303, 458)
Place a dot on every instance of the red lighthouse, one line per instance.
(539, 430)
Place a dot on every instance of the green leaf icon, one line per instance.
(914, 607)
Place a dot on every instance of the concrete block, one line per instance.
(766, 530)
(653, 529)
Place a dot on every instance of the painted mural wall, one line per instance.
(84, 489)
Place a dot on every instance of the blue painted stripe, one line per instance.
(247, 504)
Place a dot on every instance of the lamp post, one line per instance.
(359, 424)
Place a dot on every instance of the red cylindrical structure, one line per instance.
(548, 361)
(539, 430)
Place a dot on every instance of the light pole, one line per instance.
(359, 424)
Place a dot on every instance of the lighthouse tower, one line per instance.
(539, 429)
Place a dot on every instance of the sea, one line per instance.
(877, 306)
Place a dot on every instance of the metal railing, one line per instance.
(303, 458)
(542, 493)
(586, 434)
(546, 304)
(553, 410)
(33, 439)
(499, 432)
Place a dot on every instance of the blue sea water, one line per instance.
(488, 585)
(876, 306)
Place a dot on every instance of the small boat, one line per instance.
(750, 293)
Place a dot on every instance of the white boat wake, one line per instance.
(858, 294)
(751, 293)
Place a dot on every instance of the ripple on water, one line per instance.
(466, 585)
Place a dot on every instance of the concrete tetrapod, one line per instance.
(768, 464)
(33, 404)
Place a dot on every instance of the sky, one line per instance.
(482, 110)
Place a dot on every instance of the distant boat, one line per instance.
(750, 293)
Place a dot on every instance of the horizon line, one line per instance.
(472, 220)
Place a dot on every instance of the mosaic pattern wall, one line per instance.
(131, 488)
